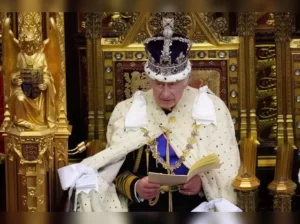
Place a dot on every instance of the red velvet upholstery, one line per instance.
(130, 76)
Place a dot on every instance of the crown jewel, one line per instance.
(167, 54)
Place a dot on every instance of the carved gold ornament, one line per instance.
(135, 81)
(217, 25)
(31, 67)
(183, 27)
(121, 22)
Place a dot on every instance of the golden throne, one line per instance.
(226, 64)
(119, 69)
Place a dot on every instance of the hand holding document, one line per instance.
(205, 164)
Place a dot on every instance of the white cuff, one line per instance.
(137, 197)
(77, 175)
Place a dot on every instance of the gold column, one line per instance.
(33, 157)
(96, 86)
(64, 130)
(2, 130)
(282, 186)
(60, 158)
(29, 158)
(246, 183)
(29, 155)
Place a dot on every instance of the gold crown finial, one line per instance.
(168, 25)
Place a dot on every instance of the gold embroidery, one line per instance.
(129, 180)
(138, 159)
(147, 158)
(123, 183)
(172, 119)
(169, 171)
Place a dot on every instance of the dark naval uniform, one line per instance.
(135, 168)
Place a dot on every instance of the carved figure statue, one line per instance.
(32, 70)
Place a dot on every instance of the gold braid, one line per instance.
(165, 188)
(138, 159)
(169, 171)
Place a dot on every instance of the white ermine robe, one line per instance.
(218, 138)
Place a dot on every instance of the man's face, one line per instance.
(167, 95)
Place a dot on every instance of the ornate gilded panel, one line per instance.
(120, 56)
(123, 28)
(30, 163)
(185, 27)
(59, 17)
(124, 74)
(266, 94)
(218, 25)
(121, 22)
(1, 89)
(30, 22)
(212, 73)
(130, 77)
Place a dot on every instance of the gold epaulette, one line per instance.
(123, 184)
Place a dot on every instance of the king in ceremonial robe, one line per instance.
(164, 130)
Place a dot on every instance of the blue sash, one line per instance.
(162, 144)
